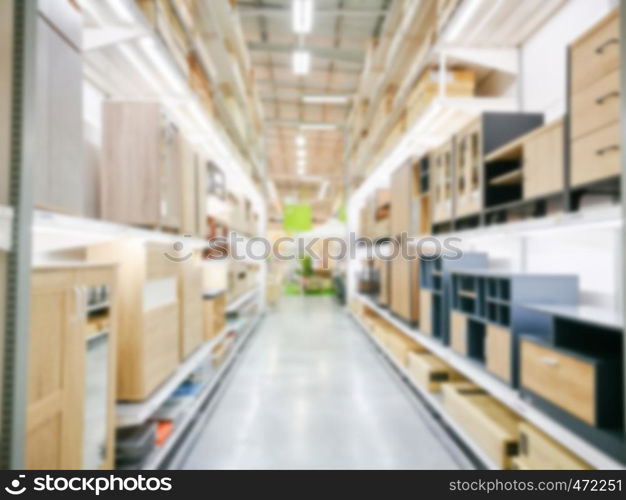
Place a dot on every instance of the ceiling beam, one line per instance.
(343, 55)
(308, 86)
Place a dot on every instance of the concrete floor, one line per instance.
(310, 392)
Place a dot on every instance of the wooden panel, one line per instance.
(52, 405)
(401, 182)
(400, 346)
(188, 190)
(6, 58)
(59, 180)
(171, 178)
(544, 162)
(441, 171)
(458, 333)
(191, 306)
(426, 311)
(468, 164)
(158, 266)
(131, 180)
(596, 156)
(430, 372)
(567, 382)
(160, 348)
(596, 106)
(597, 53)
(493, 426)
(541, 452)
(498, 352)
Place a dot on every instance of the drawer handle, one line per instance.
(550, 361)
(601, 100)
(608, 149)
(612, 41)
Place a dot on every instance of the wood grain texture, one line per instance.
(458, 333)
(541, 452)
(544, 162)
(567, 382)
(57, 366)
(148, 343)
(493, 426)
(498, 352)
(131, 182)
(426, 312)
(59, 180)
(191, 313)
(596, 156)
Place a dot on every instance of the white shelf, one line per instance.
(6, 222)
(433, 400)
(505, 394)
(132, 414)
(240, 301)
(158, 456)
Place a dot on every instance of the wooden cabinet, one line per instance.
(458, 333)
(71, 368)
(441, 183)
(383, 267)
(426, 312)
(405, 289)
(60, 172)
(540, 452)
(595, 103)
(149, 341)
(429, 372)
(191, 315)
(214, 315)
(152, 176)
(468, 164)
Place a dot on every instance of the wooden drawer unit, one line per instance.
(539, 452)
(400, 346)
(595, 103)
(429, 372)
(491, 425)
(498, 352)
(596, 156)
(597, 106)
(149, 342)
(596, 54)
(571, 383)
(458, 333)
(70, 416)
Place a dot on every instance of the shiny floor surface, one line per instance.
(311, 392)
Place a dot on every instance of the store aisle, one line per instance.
(309, 392)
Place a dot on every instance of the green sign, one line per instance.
(298, 218)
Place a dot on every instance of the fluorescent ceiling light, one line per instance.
(319, 126)
(326, 99)
(302, 16)
(163, 66)
(324, 190)
(301, 60)
(300, 141)
(122, 10)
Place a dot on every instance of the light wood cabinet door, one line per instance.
(55, 392)
(544, 166)
(59, 180)
(401, 184)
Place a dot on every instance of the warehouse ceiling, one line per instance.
(337, 43)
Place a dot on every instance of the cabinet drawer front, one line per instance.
(458, 333)
(596, 156)
(566, 382)
(498, 349)
(597, 106)
(597, 54)
(160, 346)
(544, 163)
